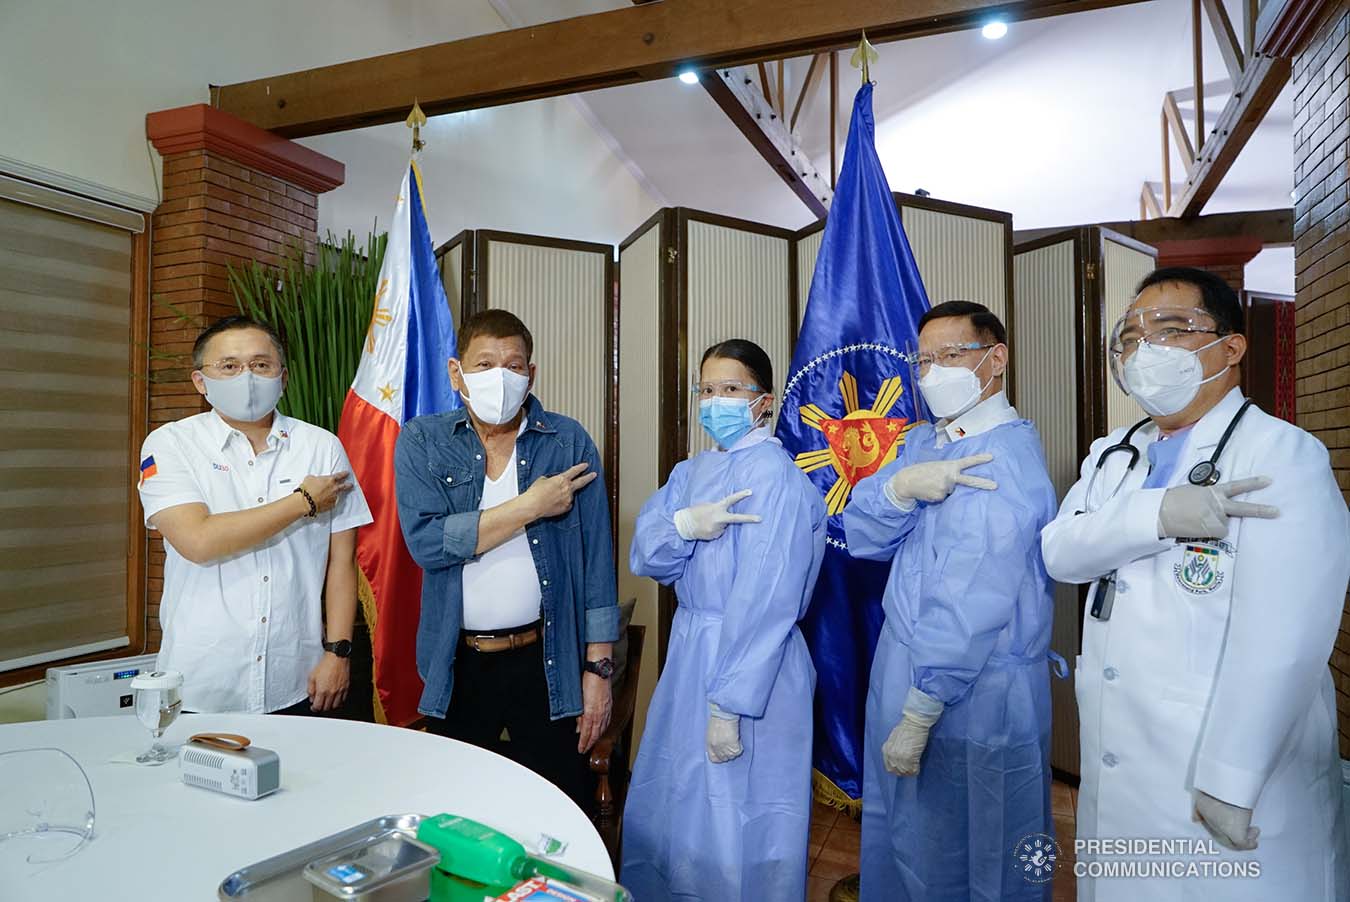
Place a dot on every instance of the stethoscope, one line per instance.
(1204, 473)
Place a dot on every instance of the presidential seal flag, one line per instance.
(402, 374)
(847, 405)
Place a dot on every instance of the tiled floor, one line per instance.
(834, 846)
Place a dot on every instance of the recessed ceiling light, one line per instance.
(689, 77)
(995, 30)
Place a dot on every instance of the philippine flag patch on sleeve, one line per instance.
(148, 468)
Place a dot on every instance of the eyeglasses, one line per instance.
(727, 388)
(947, 355)
(258, 366)
(1160, 327)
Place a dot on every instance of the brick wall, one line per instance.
(223, 204)
(1322, 267)
(1227, 257)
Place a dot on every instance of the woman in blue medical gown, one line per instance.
(720, 800)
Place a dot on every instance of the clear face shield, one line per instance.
(912, 361)
(1185, 328)
(947, 357)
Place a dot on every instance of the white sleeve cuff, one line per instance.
(904, 505)
(684, 524)
(922, 706)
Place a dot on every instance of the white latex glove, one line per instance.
(1229, 824)
(724, 735)
(904, 747)
(1202, 511)
(935, 480)
(705, 522)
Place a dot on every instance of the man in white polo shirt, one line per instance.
(259, 516)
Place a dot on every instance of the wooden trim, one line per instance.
(817, 226)
(731, 222)
(1093, 350)
(1058, 236)
(631, 44)
(1252, 98)
(1275, 228)
(946, 206)
(1010, 320)
(201, 127)
(566, 244)
(1198, 59)
(1235, 251)
(812, 75)
(139, 414)
(1166, 166)
(612, 419)
(671, 365)
(656, 218)
(754, 131)
(464, 239)
(1148, 202)
(764, 82)
(1225, 37)
(834, 118)
(1134, 244)
(1283, 26)
(1172, 116)
(781, 97)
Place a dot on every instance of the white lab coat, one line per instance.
(1211, 673)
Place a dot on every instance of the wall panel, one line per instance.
(1122, 268)
(807, 248)
(960, 257)
(737, 287)
(640, 451)
(1046, 312)
(562, 296)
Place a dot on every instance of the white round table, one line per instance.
(157, 838)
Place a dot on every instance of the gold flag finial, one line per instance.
(416, 119)
(863, 57)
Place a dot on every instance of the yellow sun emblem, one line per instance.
(381, 317)
(858, 444)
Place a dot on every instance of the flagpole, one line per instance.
(416, 119)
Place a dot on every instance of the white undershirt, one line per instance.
(501, 587)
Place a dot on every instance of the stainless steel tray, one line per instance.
(281, 877)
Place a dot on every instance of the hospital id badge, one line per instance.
(1104, 597)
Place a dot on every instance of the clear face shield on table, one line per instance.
(46, 806)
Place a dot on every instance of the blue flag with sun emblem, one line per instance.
(848, 403)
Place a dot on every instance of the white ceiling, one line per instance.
(1057, 123)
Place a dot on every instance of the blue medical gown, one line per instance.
(738, 830)
(968, 610)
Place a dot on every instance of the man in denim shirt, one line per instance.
(501, 505)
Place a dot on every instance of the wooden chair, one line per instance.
(609, 756)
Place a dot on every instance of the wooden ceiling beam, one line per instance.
(1226, 38)
(1252, 98)
(585, 53)
(808, 84)
(1274, 228)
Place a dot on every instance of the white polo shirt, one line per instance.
(245, 630)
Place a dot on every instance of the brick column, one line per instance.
(1226, 257)
(1322, 266)
(232, 193)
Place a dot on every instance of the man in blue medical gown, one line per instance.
(956, 782)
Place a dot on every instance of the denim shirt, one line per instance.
(439, 467)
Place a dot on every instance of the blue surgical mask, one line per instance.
(726, 420)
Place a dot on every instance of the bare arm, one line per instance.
(547, 497)
(340, 586)
(202, 537)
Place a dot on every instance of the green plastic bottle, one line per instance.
(477, 862)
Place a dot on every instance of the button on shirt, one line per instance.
(245, 630)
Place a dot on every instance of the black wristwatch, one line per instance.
(342, 647)
(603, 668)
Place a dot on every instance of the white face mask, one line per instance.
(1164, 379)
(495, 395)
(246, 398)
(950, 391)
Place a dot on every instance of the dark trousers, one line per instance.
(507, 690)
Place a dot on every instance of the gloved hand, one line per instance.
(724, 735)
(935, 480)
(1202, 511)
(904, 747)
(1229, 824)
(705, 522)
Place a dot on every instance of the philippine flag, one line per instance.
(402, 375)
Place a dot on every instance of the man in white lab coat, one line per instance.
(1218, 567)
